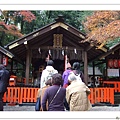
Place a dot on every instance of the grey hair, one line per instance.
(72, 77)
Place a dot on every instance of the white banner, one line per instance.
(113, 72)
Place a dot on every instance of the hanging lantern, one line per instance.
(110, 63)
(115, 63)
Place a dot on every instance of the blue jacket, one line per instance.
(4, 80)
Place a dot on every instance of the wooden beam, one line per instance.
(53, 48)
(29, 37)
(73, 39)
(109, 52)
(41, 43)
(88, 48)
(72, 43)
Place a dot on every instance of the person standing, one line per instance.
(77, 71)
(4, 82)
(65, 75)
(40, 94)
(65, 82)
(47, 73)
(77, 94)
(55, 95)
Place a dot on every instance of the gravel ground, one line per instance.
(32, 108)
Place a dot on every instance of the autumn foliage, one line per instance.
(12, 29)
(102, 26)
(27, 16)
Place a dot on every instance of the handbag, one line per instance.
(55, 95)
(38, 104)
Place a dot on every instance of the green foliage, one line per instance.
(113, 42)
(73, 18)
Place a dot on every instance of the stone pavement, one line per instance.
(32, 108)
(19, 108)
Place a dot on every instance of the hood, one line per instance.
(49, 68)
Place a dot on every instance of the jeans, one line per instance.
(1, 101)
(66, 105)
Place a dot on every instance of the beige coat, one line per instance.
(77, 96)
(40, 94)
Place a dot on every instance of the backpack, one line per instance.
(78, 77)
(50, 73)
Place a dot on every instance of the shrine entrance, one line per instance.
(57, 41)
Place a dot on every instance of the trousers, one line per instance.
(66, 105)
(1, 101)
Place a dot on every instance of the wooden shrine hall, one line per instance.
(57, 40)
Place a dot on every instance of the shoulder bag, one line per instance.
(55, 95)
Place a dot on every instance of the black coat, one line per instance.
(4, 80)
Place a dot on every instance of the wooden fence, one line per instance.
(12, 95)
(101, 95)
(114, 84)
(28, 95)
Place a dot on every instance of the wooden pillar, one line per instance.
(27, 66)
(65, 61)
(106, 69)
(93, 74)
(85, 68)
(11, 70)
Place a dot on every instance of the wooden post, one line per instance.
(93, 74)
(85, 68)
(65, 62)
(106, 70)
(27, 66)
(11, 70)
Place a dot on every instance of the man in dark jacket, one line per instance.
(4, 82)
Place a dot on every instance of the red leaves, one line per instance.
(103, 26)
(11, 16)
(27, 16)
(10, 29)
(3, 25)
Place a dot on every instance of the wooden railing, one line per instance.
(101, 95)
(28, 95)
(114, 84)
(12, 95)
